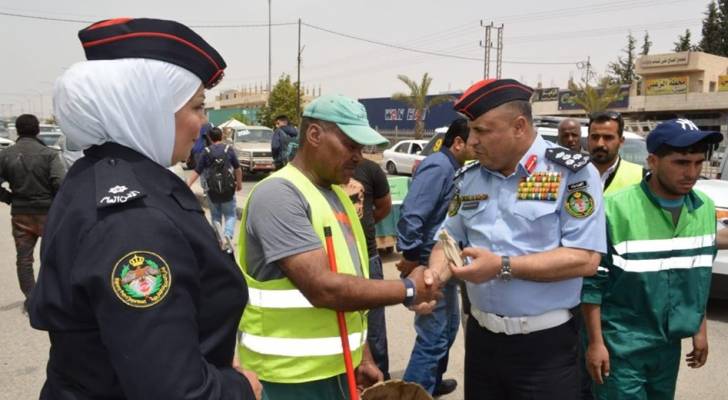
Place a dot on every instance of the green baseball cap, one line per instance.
(348, 114)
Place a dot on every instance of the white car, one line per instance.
(633, 150)
(402, 156)
(717, 190)
(252, 146)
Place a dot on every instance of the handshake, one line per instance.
(428, 286)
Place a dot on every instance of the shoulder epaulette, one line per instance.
(572, 160)
(465, 168)
(116, 183)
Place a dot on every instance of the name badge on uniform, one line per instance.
(540, 186)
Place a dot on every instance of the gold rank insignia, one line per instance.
(473, 197)
(141, 279)
(540, 186)
(579, 204)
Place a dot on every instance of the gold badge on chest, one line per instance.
(540, 186)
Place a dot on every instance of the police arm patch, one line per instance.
(141, 279)
(566, 158)
(579, 204)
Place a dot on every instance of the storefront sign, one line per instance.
(546, 94)
(671, 85)
(665, 60)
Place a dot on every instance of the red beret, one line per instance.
(488, 94)
(155, 39)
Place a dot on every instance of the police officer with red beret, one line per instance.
(531, 219)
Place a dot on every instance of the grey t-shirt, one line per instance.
(279, 226)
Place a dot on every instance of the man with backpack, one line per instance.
(220, 168)
(284, 142)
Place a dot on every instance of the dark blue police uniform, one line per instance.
(171, 339)
(138, 298)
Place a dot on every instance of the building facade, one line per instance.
(690, 85)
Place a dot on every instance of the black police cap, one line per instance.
(488, 94)
(155, 39)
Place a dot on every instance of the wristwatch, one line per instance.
(409, 292)
(505, 272)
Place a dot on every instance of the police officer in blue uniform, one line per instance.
(138, 298)
(531, 219)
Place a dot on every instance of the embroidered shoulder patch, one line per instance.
(579, 204)
(116, 183)
(141, 279)
(567, 158)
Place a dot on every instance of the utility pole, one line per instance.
(269, 48)
(499, 54)
(588, 69)
(487, 44)
(298, 77)
(586, 66)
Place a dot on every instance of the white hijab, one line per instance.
(129, 101)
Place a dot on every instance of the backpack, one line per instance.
(289, 146)
(290, 150)
(220, 178)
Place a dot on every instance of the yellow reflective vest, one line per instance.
(283, 337)
(627, 174)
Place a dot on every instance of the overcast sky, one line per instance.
(34, 52)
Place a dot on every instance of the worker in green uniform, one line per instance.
(651, 288)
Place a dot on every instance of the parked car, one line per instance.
(252, 146)
(401, 157)
(5, 141)
(717, 190)
(433, 146)
(633, 150)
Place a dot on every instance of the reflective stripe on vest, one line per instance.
(300, 347)
(284, 338)
(292, 298)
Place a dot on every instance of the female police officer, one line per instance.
(138, 299)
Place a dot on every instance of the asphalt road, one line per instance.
(24, 351)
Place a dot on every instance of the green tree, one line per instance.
(622, 70)
(712, 40)
(723, 26)
(282, 101)
(684, 42)
(417, 99)
(242, 118)
(646, 44)
(595, 98)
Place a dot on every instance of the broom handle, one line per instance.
(353, 395)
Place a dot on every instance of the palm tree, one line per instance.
(417, 99)
(595, 98)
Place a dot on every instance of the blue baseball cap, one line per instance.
(350, 116)
(679, 133)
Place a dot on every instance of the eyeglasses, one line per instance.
(605, 116)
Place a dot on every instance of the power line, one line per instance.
(427, 52)
(84, 21)
(37, 17)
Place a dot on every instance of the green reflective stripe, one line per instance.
(665, 254)
(283, 337)
(670, 244)
(662, 264)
